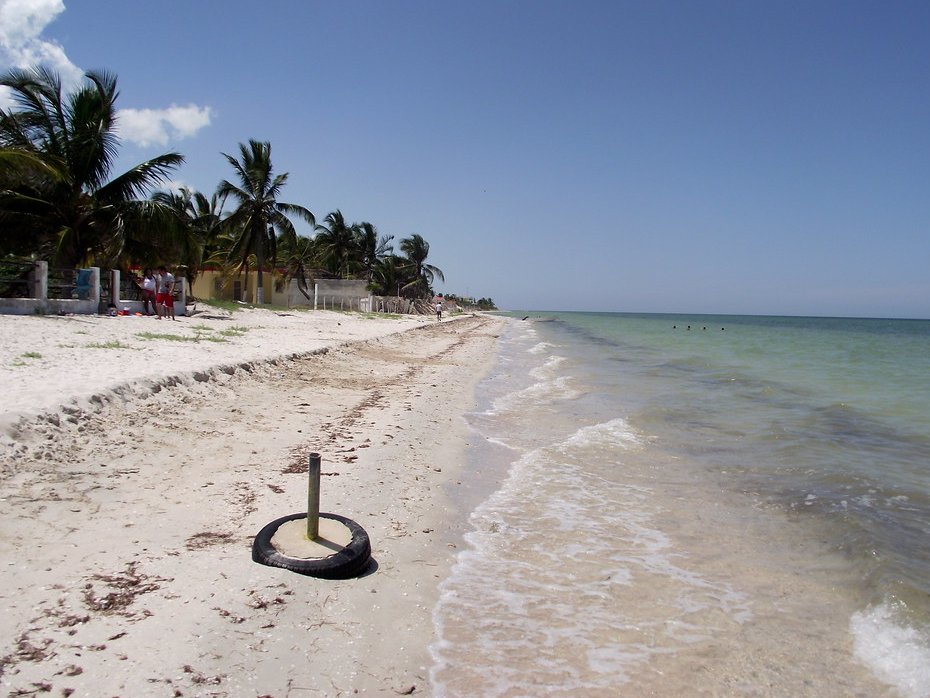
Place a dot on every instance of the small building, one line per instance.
(325, 291)
(212, 284)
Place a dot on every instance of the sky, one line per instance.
(683, 156)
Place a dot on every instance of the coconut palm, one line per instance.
(259, 213)
(299, 257)
(416, 250)
(198, 227)
(19, 235)
(64, 199)
(337, 243)
(371, 247)
(389, 276)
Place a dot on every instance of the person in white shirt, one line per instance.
(148, 292)
(164, 297)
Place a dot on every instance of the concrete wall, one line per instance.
(41, 304)
(48, 306)
(392, 304)
(332, 294)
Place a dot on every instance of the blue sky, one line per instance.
(662, 156)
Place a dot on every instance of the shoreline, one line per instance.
(128, 521)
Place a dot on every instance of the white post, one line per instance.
(183, 296)
(40, 281)
(94, 294)
(316, 294)
(114, 287)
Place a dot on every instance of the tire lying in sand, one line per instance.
(347, 560)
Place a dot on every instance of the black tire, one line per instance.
(351, 561)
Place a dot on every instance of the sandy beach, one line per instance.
(140, 458)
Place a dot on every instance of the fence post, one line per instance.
(94, 294)
(313, 497)
(39, 288)
(114, 287)
(183, 295)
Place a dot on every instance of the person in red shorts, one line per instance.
(164, 298)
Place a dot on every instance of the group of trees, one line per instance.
(480, 303)
(58, 201)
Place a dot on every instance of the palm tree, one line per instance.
(337, 244)
(63, 198)
(259, 213)
(388, 276)
(198, 227)
(299, 257)
(18, 169)
(416, 250)
(371, 247)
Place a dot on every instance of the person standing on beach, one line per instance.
(439, 312)
(148, 292)
(164, 297)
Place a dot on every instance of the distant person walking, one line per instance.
(165, 293)
(148, 292)
(439, 312)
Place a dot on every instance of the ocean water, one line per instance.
(695, 506)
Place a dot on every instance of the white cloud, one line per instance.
(22, 46)
(23, 20)
(173, 186)
(157, 126)
(21, 43)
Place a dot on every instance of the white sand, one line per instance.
(133, 480)
(80, 356)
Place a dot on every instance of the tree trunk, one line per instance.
(260, 288)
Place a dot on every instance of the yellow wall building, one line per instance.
(210, 284)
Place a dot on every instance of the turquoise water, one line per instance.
(719, 505)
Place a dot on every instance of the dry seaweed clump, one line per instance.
(198, 541)
(123, 589)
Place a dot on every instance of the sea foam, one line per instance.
(896, 653)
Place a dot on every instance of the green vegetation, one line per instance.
(228, 306)
(227, 332)
(114, 344)
(179, 337)
(259, 215)
(234, 332)
(18, 361)
(234, 306)
(373, 316)
(469, 303)
(60, 202)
